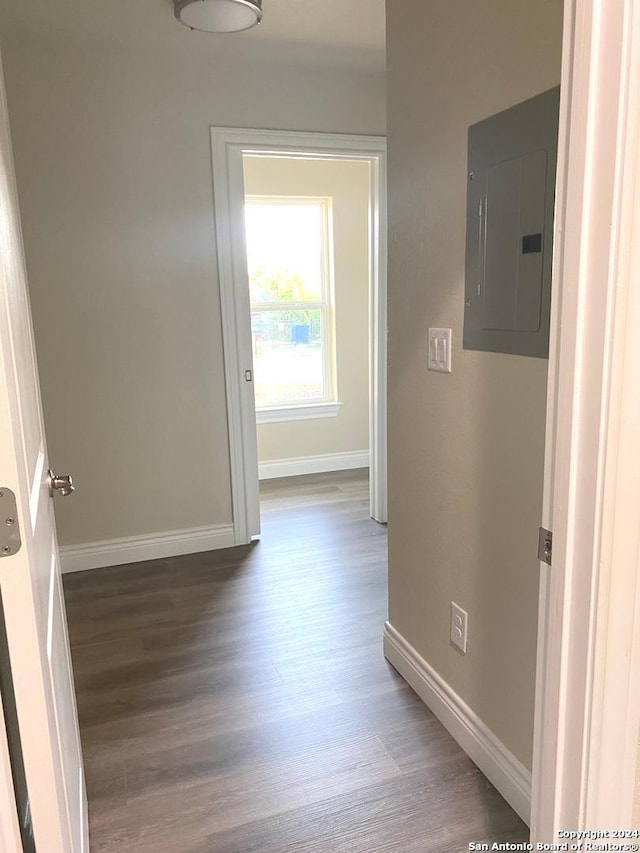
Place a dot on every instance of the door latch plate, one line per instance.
(545, 545)
(9, 528)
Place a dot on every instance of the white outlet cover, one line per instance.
(440, 350)
(459, 625)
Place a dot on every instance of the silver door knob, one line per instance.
(62, 485)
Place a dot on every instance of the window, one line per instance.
(288, 256)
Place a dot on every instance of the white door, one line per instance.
(30, 583)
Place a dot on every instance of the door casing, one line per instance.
(587, 714)
(228, 145)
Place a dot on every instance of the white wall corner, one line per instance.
(313, 464)
(508, 775)
(154, 546)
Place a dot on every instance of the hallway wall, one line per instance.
(110, 115)
(466, 449)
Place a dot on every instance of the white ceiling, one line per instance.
(328, 32)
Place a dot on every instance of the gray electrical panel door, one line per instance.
(510, 201)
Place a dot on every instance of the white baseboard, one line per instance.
(153, 546)
(498, 764)
(313, 464)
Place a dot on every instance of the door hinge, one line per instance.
(248, 376)
(545, 545)
(9, 528)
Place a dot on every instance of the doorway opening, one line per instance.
(304, 323)
(307, 240)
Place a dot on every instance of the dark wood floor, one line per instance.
(238, 701)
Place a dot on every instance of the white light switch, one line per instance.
(440, 350)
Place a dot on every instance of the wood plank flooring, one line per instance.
(239, 702)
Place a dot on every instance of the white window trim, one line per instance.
(326, 305)
(297, 412)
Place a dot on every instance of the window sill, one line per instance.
(297, 413)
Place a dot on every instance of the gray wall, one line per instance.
(110, 107)
(466, 449)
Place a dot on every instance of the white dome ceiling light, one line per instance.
(219, 16)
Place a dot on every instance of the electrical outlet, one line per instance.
(459, 623)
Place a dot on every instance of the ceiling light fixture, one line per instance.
(219, 16)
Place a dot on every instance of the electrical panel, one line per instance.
(510, 202)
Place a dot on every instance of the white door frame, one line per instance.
(588, 681)
(227, 147)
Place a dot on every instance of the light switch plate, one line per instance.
(440, 350)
